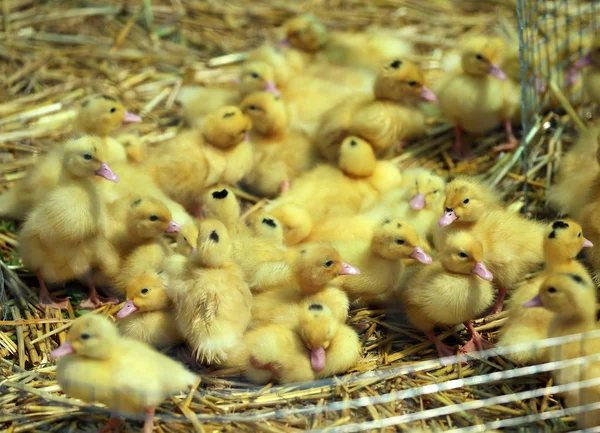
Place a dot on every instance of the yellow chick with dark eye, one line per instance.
(281, 152)
(478, 98)
(357, 184)
(212, 300)
(295, 221)
(572, 299)
(563, 242)
(265, 226)
(591, 77)
(148, 314)
(513, 245)
(198, 159)
(96, 364)
(64, 237)
(187, 239)
(388, 118)
(379, 261)
(198, 101)
(454, 289)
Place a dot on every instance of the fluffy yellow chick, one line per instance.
(295, 222)
(478, 99)
(64, 237)
(187, 239)
(513, 245)
(388, 118)
(454, 289)
(148, 314)
(198, 159)
(379, 261)
(591, 78)
(265, 226)
(199, 101)
(562, 244)
(281, 153)
(98, 365)
(212, 301)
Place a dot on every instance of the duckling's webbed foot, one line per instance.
(477, 342)
(149, 421)
(512, 143)
(460, 152)
(443, 349)
(94, 300)
(46, 300)
(113, 425)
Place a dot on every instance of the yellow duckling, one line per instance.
(212, 301)
(64, 237)
(148, 314)
(478, 99)
(295, 221)
(98, 365)
(454, 289)
(265, 226)
(564, 241)
(388, 118)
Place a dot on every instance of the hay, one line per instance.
(55, 53)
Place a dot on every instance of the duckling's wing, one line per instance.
(207, 307)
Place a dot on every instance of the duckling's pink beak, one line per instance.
(497, 72)
(418, 202)
(131, 118)
(534, 302)
(349, 270)
(447, 219)
(193, 251)
(126, 310)
(271, 88)
(421, 256)
(481, 271)
(173, 227)
(62, 350)
(587, 243)
(107, 173)
(318, 357)
(428, 95)
(235, 81)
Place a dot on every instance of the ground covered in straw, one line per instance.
(55, 53)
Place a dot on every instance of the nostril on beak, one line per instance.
(449, 209)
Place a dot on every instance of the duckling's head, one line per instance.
(146, 293)
(226, 127)
(401, 80)
(214, 246)
(564, 240)
(567, 294)
(296, 222)
(317, 328)
(84, 157)
(480, 57)
(187, 239)
(463, 254)
(268, 112)
(148, 218)
(466, 200)
(511, 64)
(306, 33)
(395, 239)
(264, 225)
(357, 158)
(221, 203)
(274, 57)
(257, 76)
(101, 115)
(315, 265)
(90, 336)
(426, 191)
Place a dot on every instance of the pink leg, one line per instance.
(94, 300)
(477, 342)
(443, 350)
(499, 300)
(460, 152)
(113, 425)
(45, 299)
(285, 185)
(512, 143)
(149, 422)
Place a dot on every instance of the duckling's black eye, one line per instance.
(144, 291)
(329, 263)
(255, 75)
(317, 307)
(479, 57)
(84, 336)
(412, 83)
(185, 239)
(399, 241)
(113, 109)
(87, 157)
(396, 64)
(252, 107)
(153, 218)
(353, 143)
(269, 222)
(463, 255)
(552, 290)
(579, 234)
(466, 201)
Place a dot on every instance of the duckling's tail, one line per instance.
(13, 205)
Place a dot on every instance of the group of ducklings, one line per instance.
(269, 291)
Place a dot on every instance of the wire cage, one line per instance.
(553, 35)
